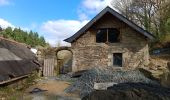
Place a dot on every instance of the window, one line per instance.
(101, 36)
(113, 35)
(117, 59)
(110, 35)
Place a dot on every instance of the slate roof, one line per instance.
(117, 15)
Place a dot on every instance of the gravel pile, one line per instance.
(85, 83)
(66, 77)
(131, 91)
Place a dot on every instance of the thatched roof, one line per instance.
(16, 60)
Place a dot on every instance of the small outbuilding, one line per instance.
(110, 40)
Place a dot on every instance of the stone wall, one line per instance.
(87, 53)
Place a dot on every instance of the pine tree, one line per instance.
(31, 38)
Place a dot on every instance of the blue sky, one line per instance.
(53, 19)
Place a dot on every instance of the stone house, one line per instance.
(110, 40)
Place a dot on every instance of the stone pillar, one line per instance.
(146, 55)
(165, 78)
(74, 67)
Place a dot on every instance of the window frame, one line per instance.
(103, 34)
(107, 35)
(116, 65)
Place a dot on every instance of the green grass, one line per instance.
(16, 91)
(10, 93)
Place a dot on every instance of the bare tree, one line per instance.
(139, 11)
(122, 6)
(160, 17)
(149, 14)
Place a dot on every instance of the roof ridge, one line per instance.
(13, 41)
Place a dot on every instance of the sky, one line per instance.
(56, 20)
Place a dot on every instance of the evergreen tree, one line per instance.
(31, 38)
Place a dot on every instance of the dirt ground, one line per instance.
(55, 91)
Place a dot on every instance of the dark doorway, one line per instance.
(117, 59)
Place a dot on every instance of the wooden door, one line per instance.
(48, 68)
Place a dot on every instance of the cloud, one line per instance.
(5, 24)
(92, 7)
(83, 16)
(4, 2)
(54, 31)
(95, 5)
(58, 30)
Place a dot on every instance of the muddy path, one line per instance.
(53, 90)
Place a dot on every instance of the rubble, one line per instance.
(85, 83)
(66, 77)
(131, 91)
(165, 77)
(103, 86)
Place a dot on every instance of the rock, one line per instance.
(37, 90)
(165, 78)
(147, 73)
(131, 91)
(156, 64)
(168, 65)
(78, 73)
(103, 86)
(161, 68)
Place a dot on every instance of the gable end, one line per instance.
(115, 14)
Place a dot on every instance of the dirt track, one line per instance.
(55, 90)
